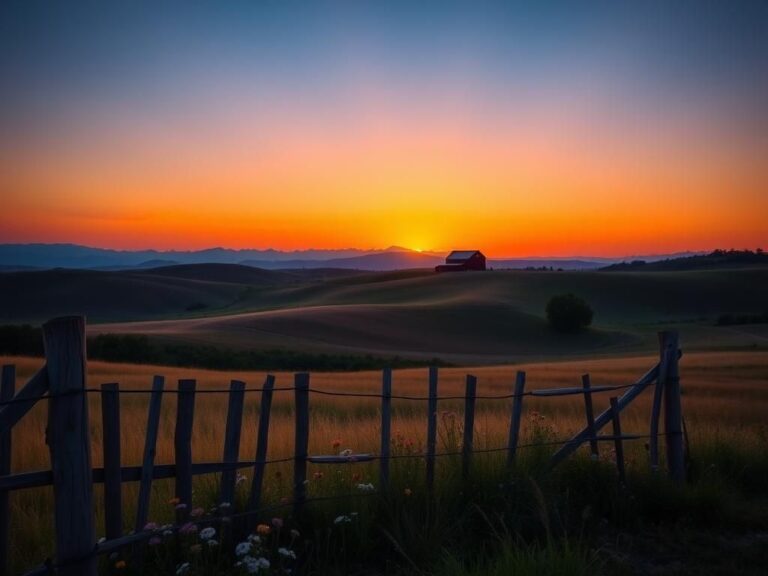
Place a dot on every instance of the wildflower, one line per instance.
(188, 528)
(255, 538)
(342, 520)
(182, 568)
(155, 540)
(151, 526)
(287, 553)
(225, 505)
(407, 491)
(263, 529)
(295, 533)
(240, 479)
(168, 532)
(120, 564)
(197, 512)
(207, 533)
(212, 543)
(277, 523)
(102, 540)
(243, 548)
(365, 487)
(317, 475)
(181, 506)
(174, 501)
(336, 444)
(347, 452)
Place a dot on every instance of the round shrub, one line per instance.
(568, 313)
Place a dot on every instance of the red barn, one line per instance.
(461, 260)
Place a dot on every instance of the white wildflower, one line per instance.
(366, 487)
(242, 549)
(212, 543)
(207, 533)
(346, 453)
(240, 479)
(254, 538)
(287, 553)
(342, 520)
(182, 568)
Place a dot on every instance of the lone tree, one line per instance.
(568, 313)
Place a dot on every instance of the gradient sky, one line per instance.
(603, 128)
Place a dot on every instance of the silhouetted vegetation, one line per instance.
(568, 313)
(26, 340)
(715, 259)
(734, 319)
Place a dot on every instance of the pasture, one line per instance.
(725, 399)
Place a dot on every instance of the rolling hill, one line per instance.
(465, 317)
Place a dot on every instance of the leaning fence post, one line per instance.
(431, 428)
(262, 441)
(517, 413)
(148, 458)
(658, 393)
(386, 423)
(185, 411)
(7, 390)
(232, 440)
(617, 440)
(587, 385)
(110, 422)
(673, 418)
(68, 438)
(469, 426)
(301, 385)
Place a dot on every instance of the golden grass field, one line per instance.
(725, 398)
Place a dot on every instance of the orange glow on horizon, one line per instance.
(512, 187)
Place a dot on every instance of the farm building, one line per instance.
(461, 260)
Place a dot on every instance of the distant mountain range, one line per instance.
(46, 256)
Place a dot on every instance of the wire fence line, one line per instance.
(544, 392)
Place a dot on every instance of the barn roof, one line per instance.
(461, 255)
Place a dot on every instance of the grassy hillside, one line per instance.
(468, 317)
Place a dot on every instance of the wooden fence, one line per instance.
(62, 381)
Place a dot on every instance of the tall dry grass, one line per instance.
(725, 399)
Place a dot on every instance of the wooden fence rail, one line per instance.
(62, 383)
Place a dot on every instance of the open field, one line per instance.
(724, 404)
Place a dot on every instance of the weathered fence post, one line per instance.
(265, 405)
(301, 384)
(673, 418)
(232, 440)
(386, 423)
(182, 439)
(148, 459)
(517, 414)
(69, 441)
(617, 439)
(469, 426)
(587, 385)
(431, 428)
(110, 422)
(7, 390)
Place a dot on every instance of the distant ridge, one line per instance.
(714, 260)
(73, 256)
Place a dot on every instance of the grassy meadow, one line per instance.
(725, 400)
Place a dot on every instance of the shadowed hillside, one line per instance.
(460, 317)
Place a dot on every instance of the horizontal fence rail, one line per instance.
(61, 383)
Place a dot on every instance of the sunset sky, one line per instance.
(523, 130)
